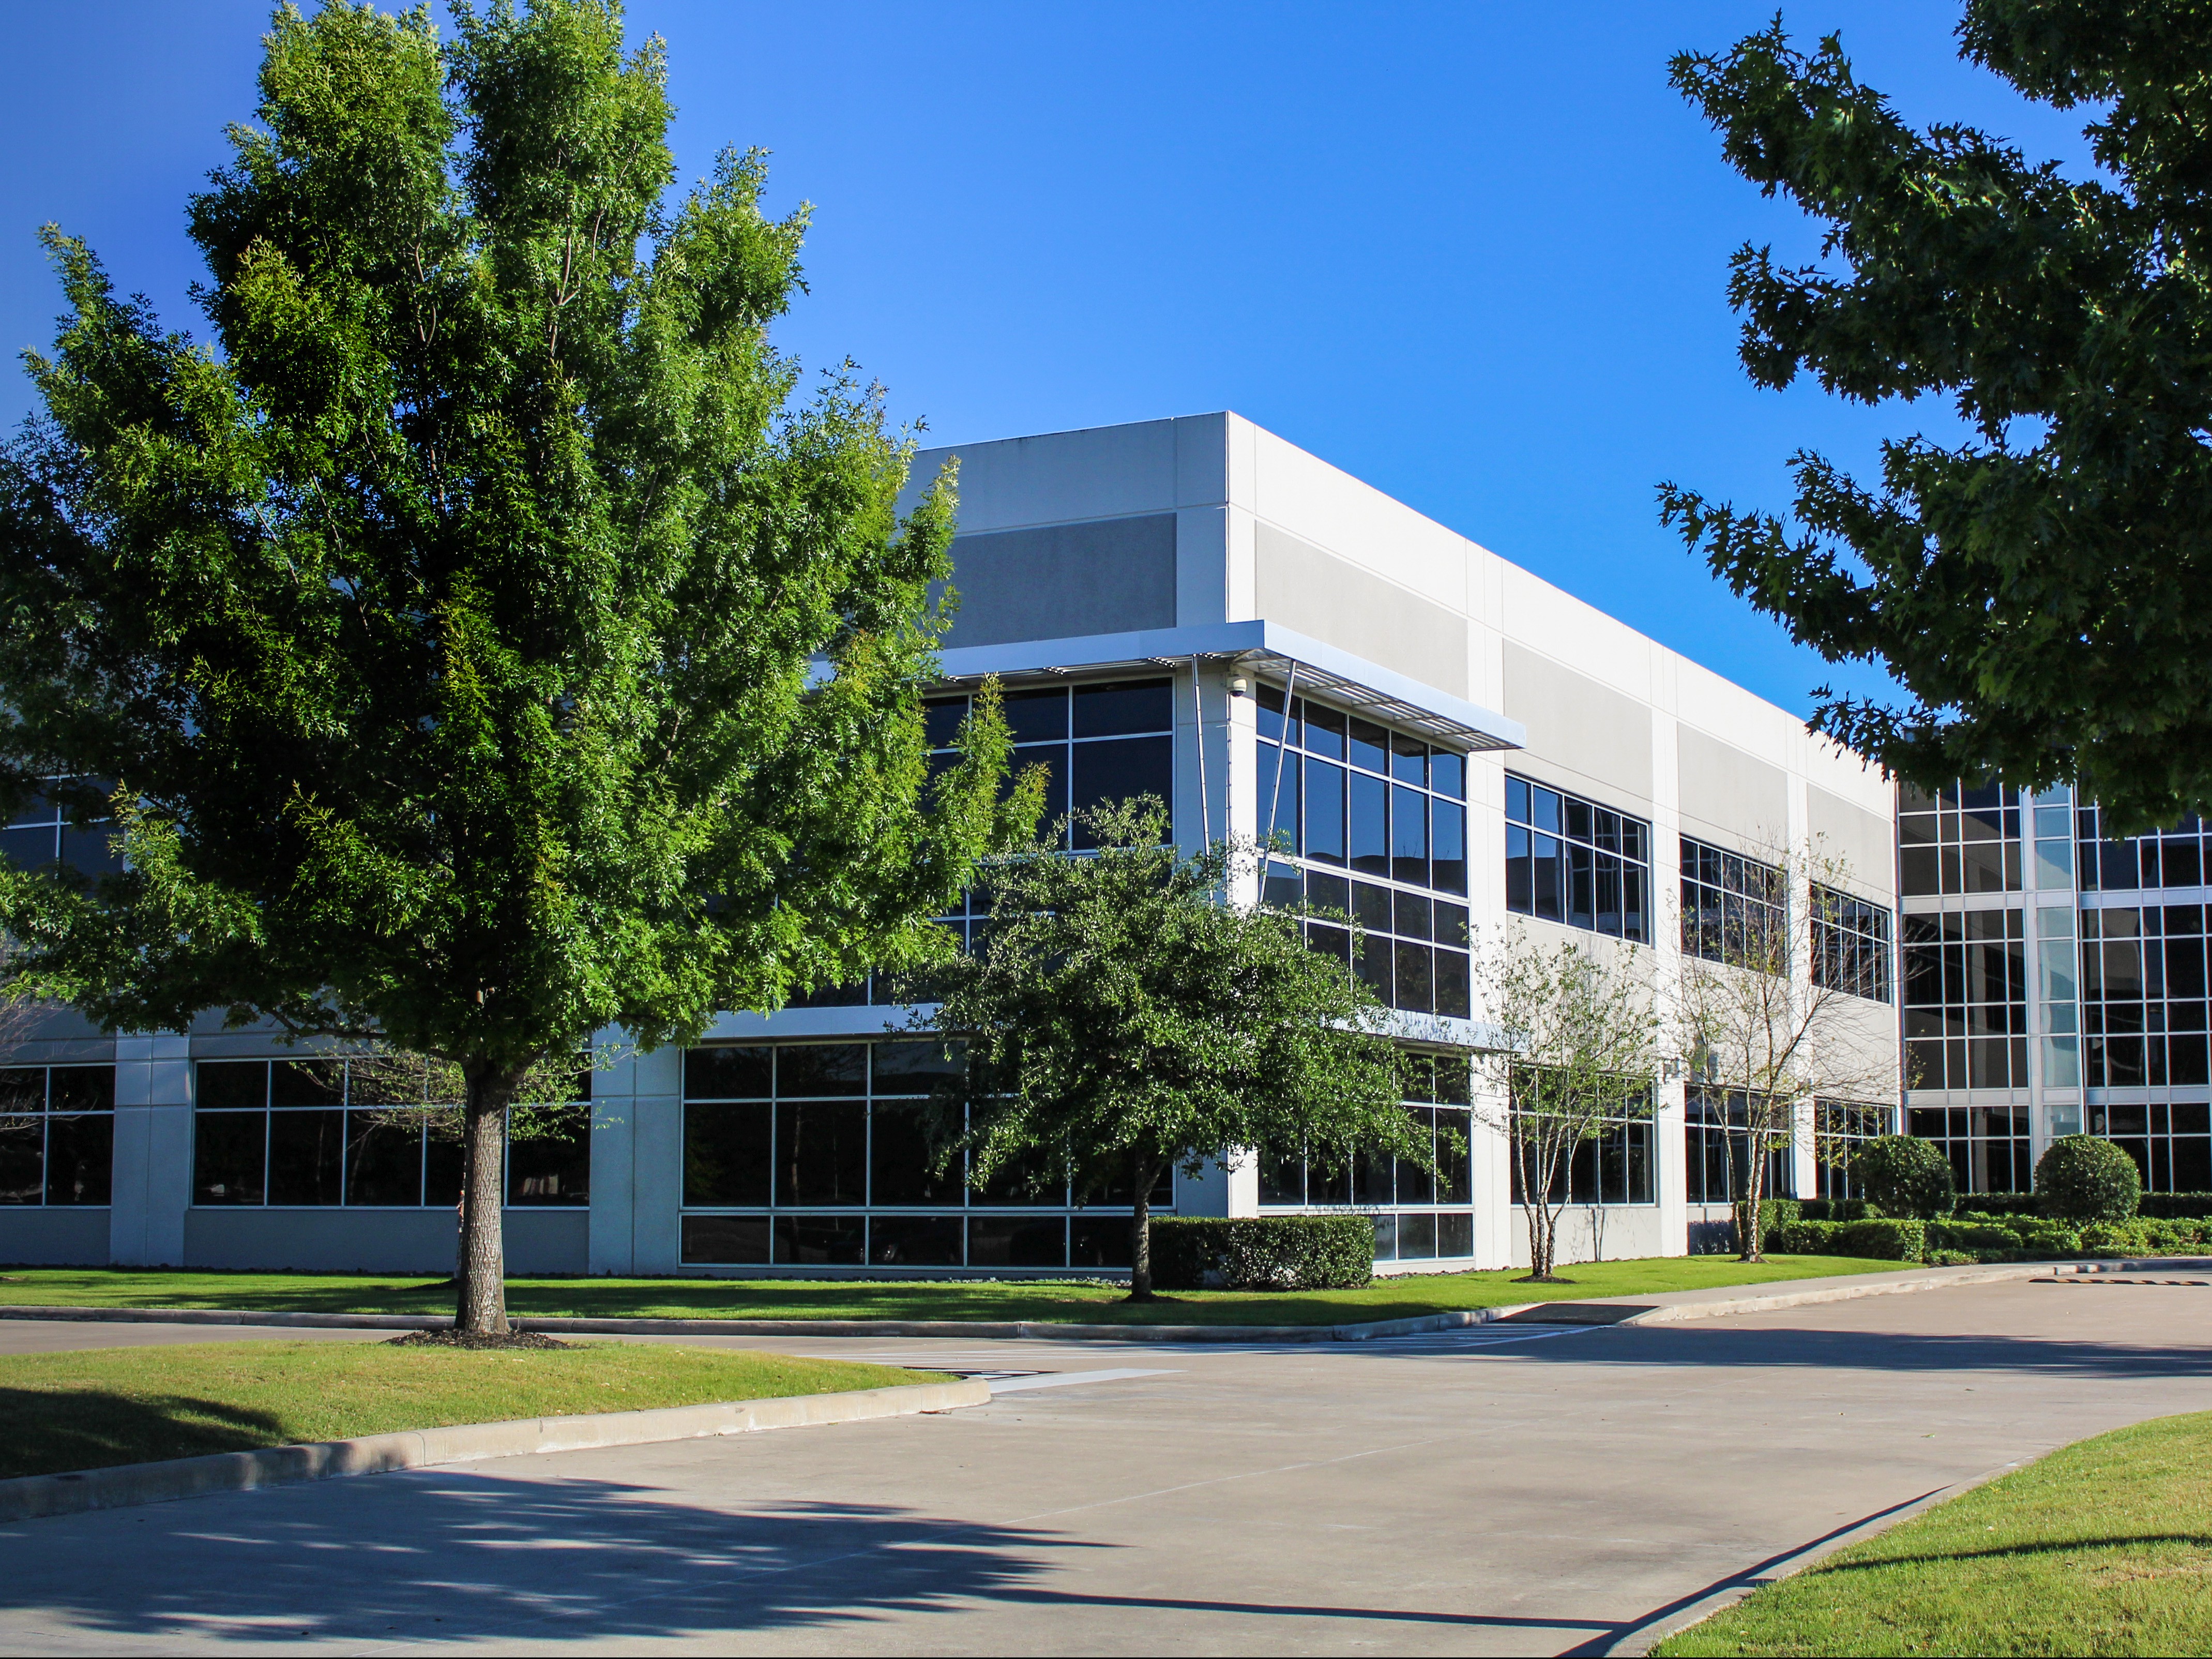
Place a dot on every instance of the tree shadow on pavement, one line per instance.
(447, 1554)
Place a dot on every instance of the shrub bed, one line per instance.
(1263, 1253)
(1875, 1240)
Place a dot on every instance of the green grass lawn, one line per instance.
(82, 1411)
(2102, 1547)
(1061, 1301)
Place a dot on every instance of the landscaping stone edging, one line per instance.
(37, 1496)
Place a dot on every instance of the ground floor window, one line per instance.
(1988, 1146)
(1840, 1127)
(2172, 1145)
(1411, 1224)
(368, 1133)
(819, 1154)
(57, 1133)
(1717, 1147)
(1617, 1165)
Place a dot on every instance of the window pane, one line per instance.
(306, 1083)
(1452, 985)
(725, 1155)
(1106, 773)
(384, 1157)
(712, 1239)
(822, 1068)
(1019, 1241)
(915, 1241)
(728, 1073)
(1409, 836)
(1409, 760)
(821, 1152)
(911, 1068)
(225, 1083)
(230, 1155)
(80, 1159)
(899, 1156)
(553, 1165)
(1324, 792)
(307, 1155)
(82, 1089)
(23, 1088)
(1122, 706)
(22, 1159)
(1416, 981)
(1279, 772)
(1371, 851)
(820, 1241)
(1370, 746)
(1448, 826)
(1037, 716)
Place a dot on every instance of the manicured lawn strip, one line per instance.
(1080, 1302)
(80, 1411)
(2102, 1547)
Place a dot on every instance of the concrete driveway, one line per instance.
(1503, 1491)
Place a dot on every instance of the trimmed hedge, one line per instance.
(1835, 1209)
(1906, 1176)
(1876, 1240)
(1263, 1253)
(2087, 1178)
(2146, 1237)
(2004, 1204)
(2176, 1206)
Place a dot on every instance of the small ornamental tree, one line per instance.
(1575, 1051)
(480, 647)
(1904, 1175)
(1766, 1019)
(2087, 1178)
(1125, 1018)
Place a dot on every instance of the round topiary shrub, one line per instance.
(1906, 1176)
(2087, 1178)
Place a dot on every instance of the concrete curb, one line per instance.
(976, 1329)
(33, 1497)
(1639, 1639)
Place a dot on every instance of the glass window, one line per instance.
(1569, 861)
(368, 1133)
(1851, 944)
(1734, 908)
(1717, 1148)
(1959, 839)
(1965, 1000)
(1988, 1146)
(57, 1134)
(1614, 1166)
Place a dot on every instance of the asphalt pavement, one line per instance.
(1501, 1489)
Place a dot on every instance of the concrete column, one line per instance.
(611, 1248)
(657, 1161)
(1671, 1147)
(1495, 1217)
(153, 1151)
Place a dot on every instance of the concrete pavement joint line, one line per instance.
(35, 1496)
(1641, 1638)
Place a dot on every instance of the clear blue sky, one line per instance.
(1472, 253)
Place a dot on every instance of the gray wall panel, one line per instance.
(1576, 722)
(65, 1236)
(1058, 582)
(1320, 595)
(1724, 788)
(1862, 839)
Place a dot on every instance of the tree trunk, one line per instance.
(1754, 1181)
(481, 1302)
(1143, 1171)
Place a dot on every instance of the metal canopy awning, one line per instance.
(1263, 648)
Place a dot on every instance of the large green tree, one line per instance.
(483, 643)
(1124, 1020)
(2039, 587)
